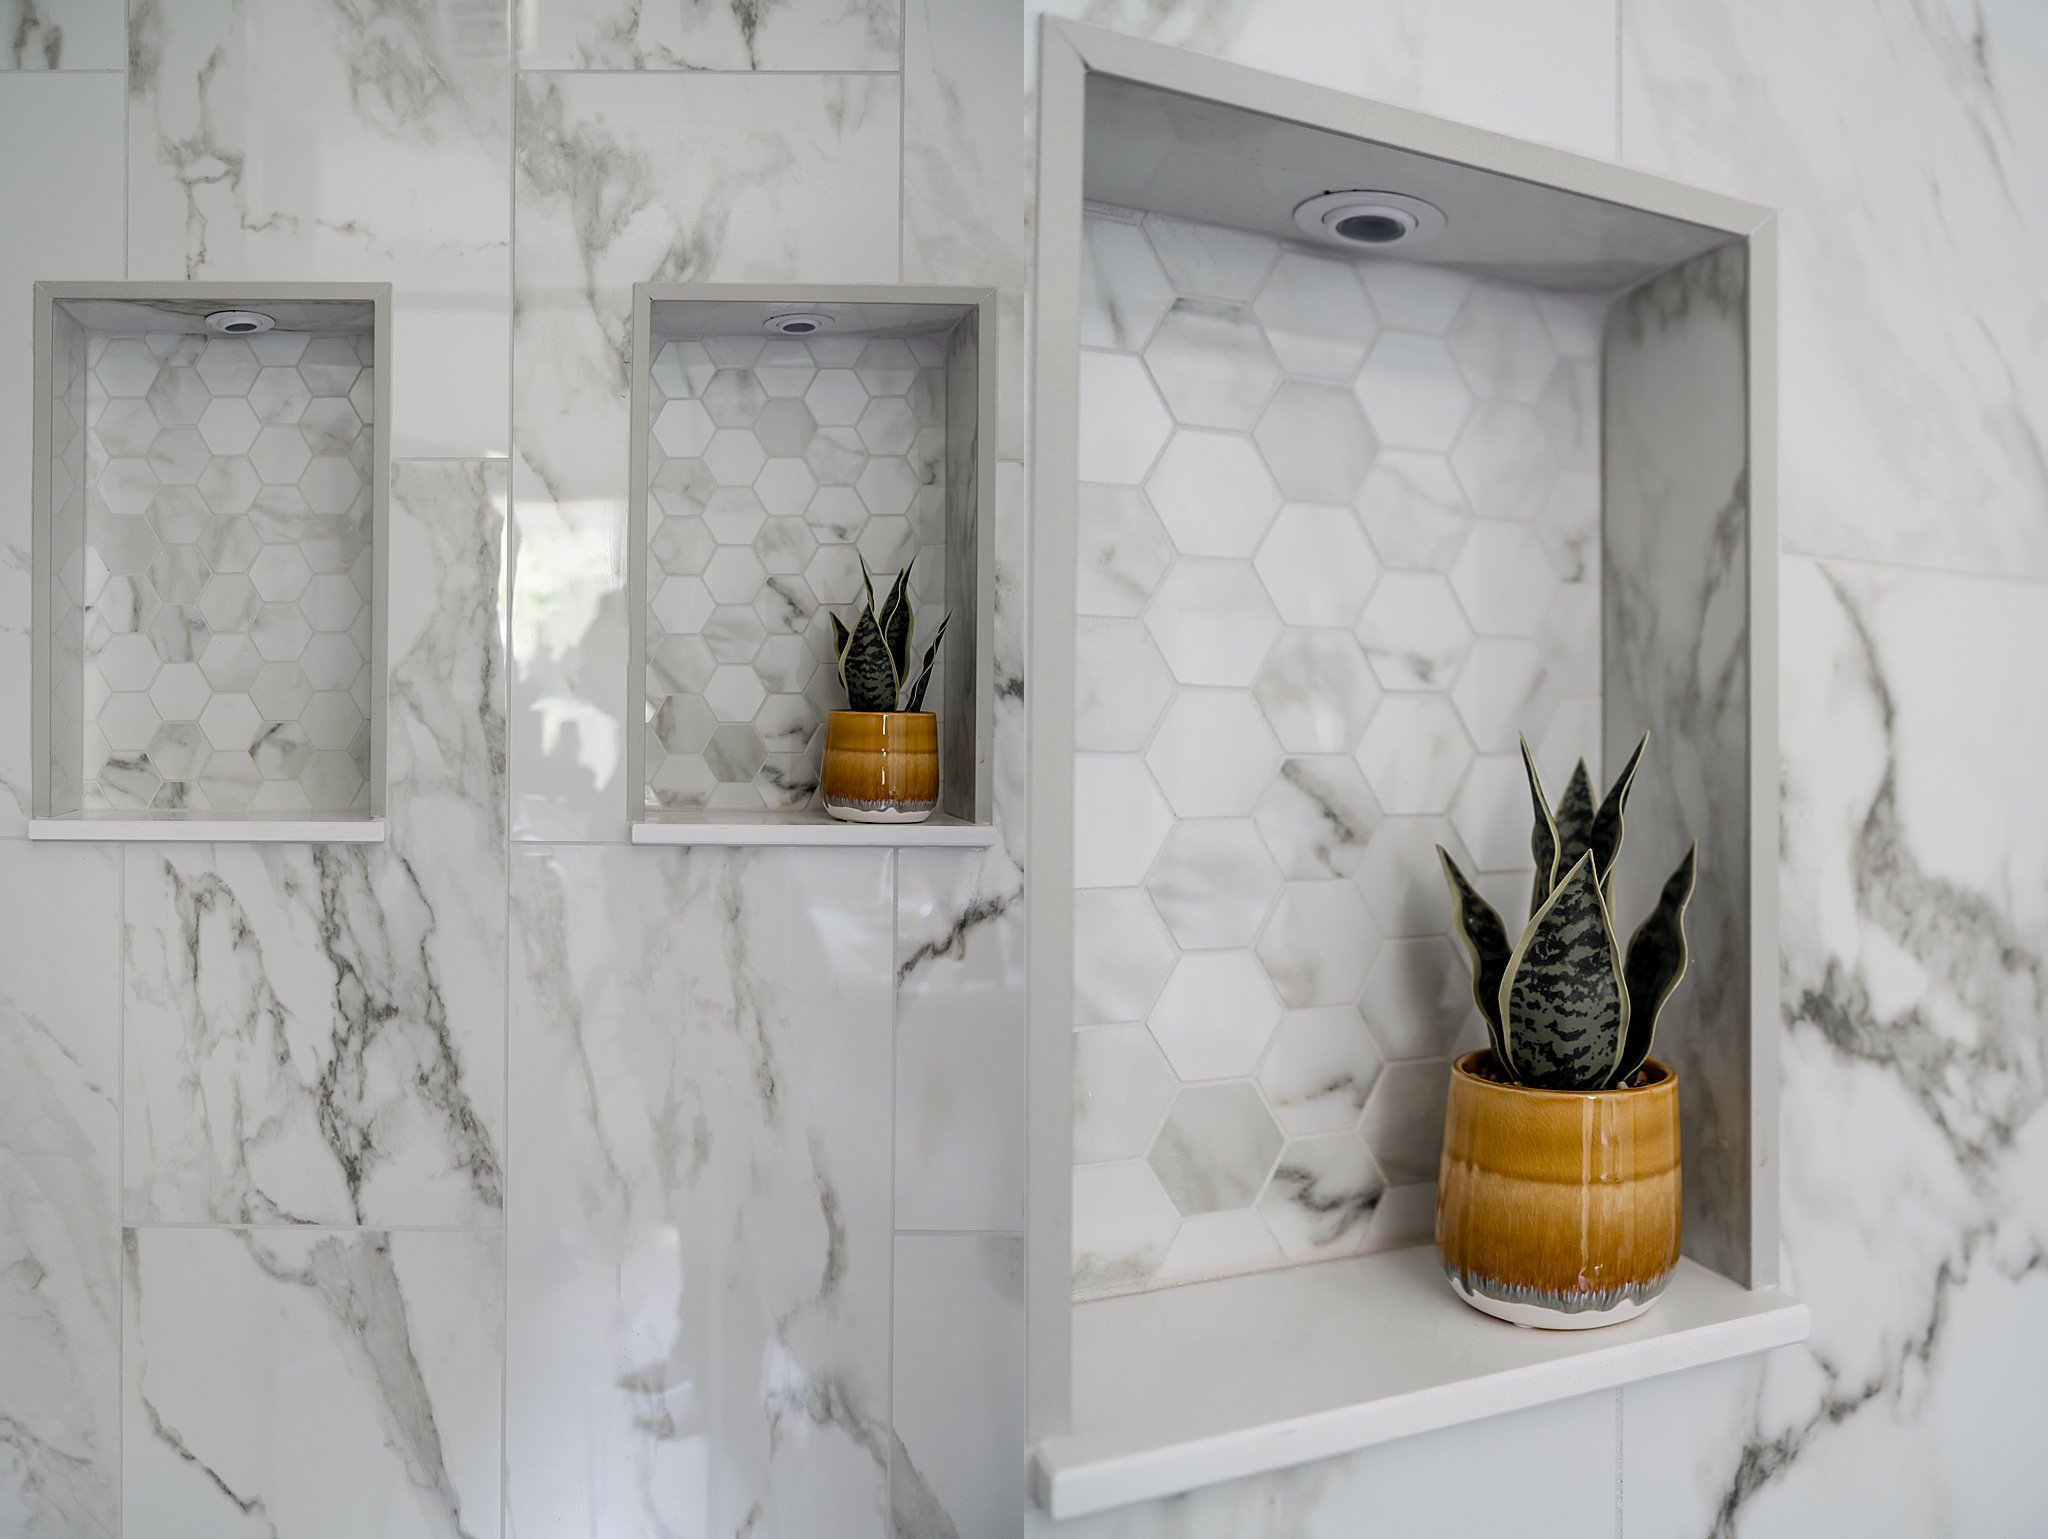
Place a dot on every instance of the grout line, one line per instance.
(959, 1234)
(1619, 1509)
(279, 1227)
(895, 1112)
(505, 548)
(122, 1346)
(700, 74)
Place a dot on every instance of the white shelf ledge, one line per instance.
(211, 828)
(1187, 1387)
(722, 826)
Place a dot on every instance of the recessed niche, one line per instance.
(781, 438)
(210, 500)
(1317, 535)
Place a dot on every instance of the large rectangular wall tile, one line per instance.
(700, 1243)
(730, 35)
(60, 1323)
(313, 1383)
(317, 1034)
(624, 179)
(957, 1465)
(963, 142)
(62, 34)
(959, 1041)
(1910, 409)
(291, 139)
(63, 134)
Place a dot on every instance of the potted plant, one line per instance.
(1557, 1201)
(882, 753)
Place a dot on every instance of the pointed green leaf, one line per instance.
(840, 636)
(1606, 838)
(896, 622)
(1574, 818)
(914, 701)
(1542, 836)
(1563, 1004)
(865, 669)
(1656, 963)
(867, 584)
(1486, 946)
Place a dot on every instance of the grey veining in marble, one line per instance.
(710, 35)
(1675, 553)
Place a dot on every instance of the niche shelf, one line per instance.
(1315, 533)
(768, 459)
(209, 562)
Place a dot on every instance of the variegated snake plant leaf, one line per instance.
(1563, 998)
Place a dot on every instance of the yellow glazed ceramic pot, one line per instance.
(881, 766)
(1558, 1208)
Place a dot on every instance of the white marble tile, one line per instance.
(1122, 954)
(1318, 944)
(1213, 754)
(237, 124)
(741, 178)
(1122, 551)
(1123, 1223)
(956, 1469)
(1414, 632)
(636, 35)
(1321, 1199)
(1319, 1070)
(1125, 425)
(62, 35)
(1219, 1245)
(1120, 820)
(60, 1323)
(1213, 883)
(1316, 439)
(1215, 1015)
(1216, 1148)
(1414, 753)
(313, 1382)
(69, 129)
(1317, 816)
(1212, 363)
(960, 1041)
(963, 144)
(1213, 493)
(699, 1272)
(1122, 1088)
(1121, 686)
(1124, 290)
(1317, 564)
(1316, 316)
(1413, 509)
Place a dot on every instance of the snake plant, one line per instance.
(874, 656)
(1565, 1009)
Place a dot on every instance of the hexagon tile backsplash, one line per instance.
(228, 549)
(1339, 544)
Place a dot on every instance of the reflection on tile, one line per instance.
(366, 1400)
(237, 123)
(956, 1467)
(711, 178)
(60, 1326)
(634, 35)
(959, 1041)
(699, 1274)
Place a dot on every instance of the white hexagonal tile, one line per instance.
(1315, 439)
(179, 514)
(178, 750)
(330, 483)
(683, 429)
(1503, 461)
(833, 574)
(1570, 410)
(331, 719)
(683, 605)
(1569, 525)
(1122, 551)
(280, 753)
(785, 486)
(329, 365)
(836, 515)
(128, 662)
(684, 780)
(180, 395)
(280, 573)
(331, 602)
(229, 366)
(684, 724)
(1417, 998)
(1319, 1070)
(331, 780)
(1317, 565)
(734, 398)
(126, 366)
(1317, 816)
(280, 632)
(128, 721)
(178, 574)
(179, 633)
(1215, 1149)
(682, 545)
(1122, 1088)
(1215, 1015)
(888, 545)
(888, 487)
(1317, 692)
(1120, 820)
(1121, 684)
(887, 426)
(1216, 1245)
(231, 662)
(230, 485)
(1213, 493)
(1413, 393)
(1322, 1198)
(229, 426)
(1316, 316)
(126, 543)
(1124, 290)
(836, 398)
(734, 575)
(1504, 579)
(1213, 621)
(1492, 813)
(1414, 632)
(1122, 955)
(734, 694)
(278, 396)
(1414, 753)
(1501, 343)
(1503, 693)
(229, 602)
(280, 455)
(1213, 754)
(229, 543)
(1212, 364)
(1413, 297)
(1123, 422)
(126, 428)
(230, 722)
(1210, 259)
(128, 487)
(230, 780)
(1569, 639)
(785, 546)
(735, 754)
(1122, 1225)
(1403, 1122)
(1318, 944)
(1213, 883)
(734, 456)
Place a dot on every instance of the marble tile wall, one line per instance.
(337, 1181)
(1339, 545)
(228, 566)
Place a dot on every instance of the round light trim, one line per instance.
(798, 323)
(238, 323)
(1369, 221)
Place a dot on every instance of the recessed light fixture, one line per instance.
(238, 323)
(1369, 221)
(799, 323)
